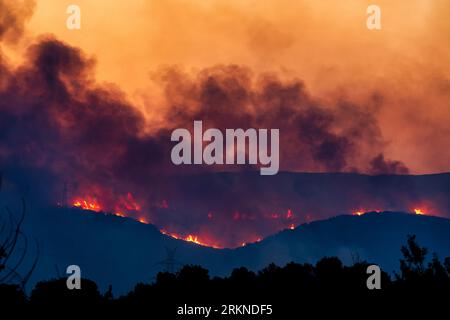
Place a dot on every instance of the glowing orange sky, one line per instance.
(325, 43)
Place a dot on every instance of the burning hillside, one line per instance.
(233, 209)
(131, 209)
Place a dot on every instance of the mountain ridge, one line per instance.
(123, 252)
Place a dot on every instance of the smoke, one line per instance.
(54, 114)
(314, 136)
(56, 119)
(381, 166)
(13, 15)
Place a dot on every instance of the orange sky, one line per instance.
(324, 43)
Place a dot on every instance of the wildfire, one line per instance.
(419, 211)
(87, 204)
(143, 220)
(124, 206)
(120, 214)
(361, 212)
(358, 213)
(127, 206)
(189, 238)
(192, 238)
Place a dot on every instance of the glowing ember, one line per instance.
(120, 214)
(289, 214)
(361, 211)
(143, 220)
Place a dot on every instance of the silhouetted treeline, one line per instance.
(419, 274)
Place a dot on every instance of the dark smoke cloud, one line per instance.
(313, 136)
(53, 115)
(379, 165)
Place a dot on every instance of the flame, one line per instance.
(190, 238)
(195, 239)
(124, 206)
(292, 226)
(358, 212)
(417, 210)
(120, 214)
(143, 220)
(87, 204)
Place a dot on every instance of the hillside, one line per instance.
(122, 252)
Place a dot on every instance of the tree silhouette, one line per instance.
(414, 256)
(415, 275)
(14, 249)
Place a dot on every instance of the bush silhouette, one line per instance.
(56, 292)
